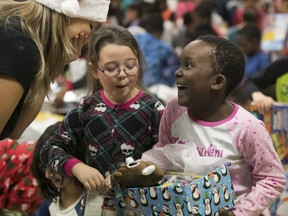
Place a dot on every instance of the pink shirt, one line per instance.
(184, 7)
(241, 139)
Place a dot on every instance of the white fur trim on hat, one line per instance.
(94, 10)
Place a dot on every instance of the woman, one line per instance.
(38, 37)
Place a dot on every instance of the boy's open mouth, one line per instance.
(181, 87)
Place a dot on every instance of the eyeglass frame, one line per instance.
(119, 70)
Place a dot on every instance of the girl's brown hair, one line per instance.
(105, 35)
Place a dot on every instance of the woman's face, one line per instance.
(79, 31)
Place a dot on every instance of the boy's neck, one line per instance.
(215, 113)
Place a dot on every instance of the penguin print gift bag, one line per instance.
(202, 196)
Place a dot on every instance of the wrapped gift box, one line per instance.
(202, 196)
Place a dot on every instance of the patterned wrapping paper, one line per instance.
(202, 196)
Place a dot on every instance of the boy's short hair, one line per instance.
(227, 59)
(251, 32)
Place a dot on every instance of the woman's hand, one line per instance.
(79, 41)
(224, 212)
(90, 177)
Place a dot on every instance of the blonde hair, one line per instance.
(47, 29)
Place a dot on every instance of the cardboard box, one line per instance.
(274, 33)
(276, 122)
(202, 196)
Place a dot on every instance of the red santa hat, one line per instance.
(94, 10)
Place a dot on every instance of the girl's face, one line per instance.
(57, 179)
(195, 75)
(119, 86)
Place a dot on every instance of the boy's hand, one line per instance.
(90, 177)
(223, 212)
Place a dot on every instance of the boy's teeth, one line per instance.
(181, 87)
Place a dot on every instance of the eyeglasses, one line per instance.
(112, 72)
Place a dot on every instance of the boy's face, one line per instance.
(281, 6)
(195, 76)
(249, 47)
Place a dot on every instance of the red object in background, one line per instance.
(18, 188)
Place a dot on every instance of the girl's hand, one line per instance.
(90, 177)
(107, 184)
(223, 212)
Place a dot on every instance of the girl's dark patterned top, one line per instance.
(110, 133)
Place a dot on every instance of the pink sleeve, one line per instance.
(268, 177)
(155, 155)
(69, 165)
(164, 129)
(171, 113)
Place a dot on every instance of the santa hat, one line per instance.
(94, 10)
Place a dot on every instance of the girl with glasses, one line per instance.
(118, 120)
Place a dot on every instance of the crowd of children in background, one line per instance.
(183, 21)
(162, 29)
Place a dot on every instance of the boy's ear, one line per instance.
(93, 70)
(219, 82)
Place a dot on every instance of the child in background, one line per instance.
(218, 130)
(19, 191)
(202, 20)
(256, 6)
(249, 40)
(63, 194)
(132, 15)
(118, 120)
(249, 16)
(268, 87)
(160, 57)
